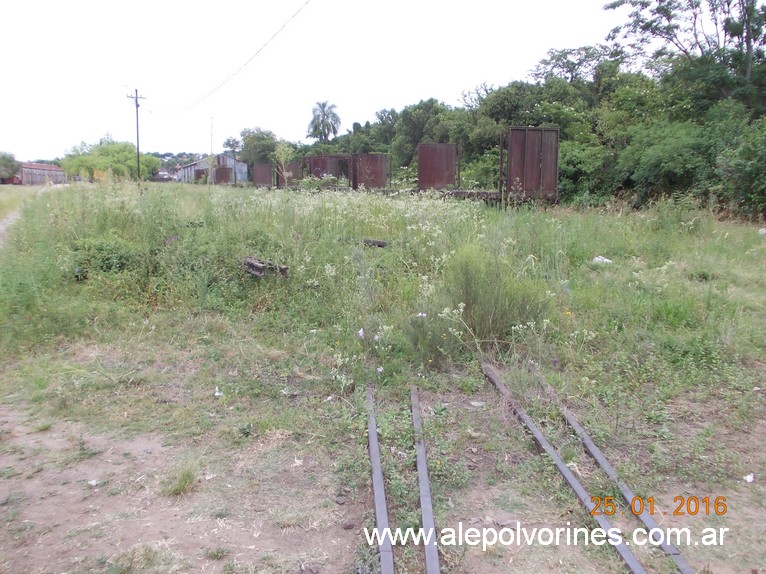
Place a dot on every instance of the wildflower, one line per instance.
(361, 333)
(379, 369)
(422, 315)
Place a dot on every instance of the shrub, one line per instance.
(743, 171)
(495, 298)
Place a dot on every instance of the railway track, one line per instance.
(431, 550)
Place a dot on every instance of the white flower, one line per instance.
(422, 315)
(379, 369)
(361, 333)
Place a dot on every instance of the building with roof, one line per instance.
(215, 169)
(37, 174)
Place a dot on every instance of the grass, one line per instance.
(12, 197)
(181, 479)
(217, 553)
(127, 310)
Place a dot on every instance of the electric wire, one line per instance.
(243, 66)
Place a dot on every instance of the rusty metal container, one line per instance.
(369, 170)
(263, 175)
(294, 172)
(437, 166)
(533, 163)
(223, 175)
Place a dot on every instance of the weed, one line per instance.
(84, 451)
(148, 558)
(217, 553)
(181, 479)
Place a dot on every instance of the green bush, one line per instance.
(661, 158)
(495, 298)
(743, 171)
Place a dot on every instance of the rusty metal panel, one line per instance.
(550, 152)
(533, 163)
(437, 165)
(222, 175)
(323, 165)
(263, 175)
(369, 170)
(293, 171)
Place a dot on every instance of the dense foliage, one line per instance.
(8, 165)
(686, 118)
(108, 159)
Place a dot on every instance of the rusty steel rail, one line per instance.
(426, 507)
(385, 550)
(627, 493)
(622, 549)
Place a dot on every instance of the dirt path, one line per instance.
(7, 222)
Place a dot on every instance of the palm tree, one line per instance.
(326, 121)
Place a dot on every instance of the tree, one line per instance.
(385, 127)
(512, 105)
(284, 154)
(576, 64)
(9, 167)
(117, 158)
(730, 32)
(423, 122)
(326, 121)
(257, 146)
(232, 146)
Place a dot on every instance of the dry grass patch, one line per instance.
(148, 558)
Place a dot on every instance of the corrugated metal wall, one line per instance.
(533, 163)
(437, 166)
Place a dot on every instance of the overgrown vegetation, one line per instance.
(134, 311)
(686, 118)
(456, 279)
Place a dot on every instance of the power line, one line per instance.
(243, 66)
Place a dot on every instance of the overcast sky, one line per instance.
(69, 66)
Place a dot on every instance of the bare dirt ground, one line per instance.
(6, 223)
(74, 502)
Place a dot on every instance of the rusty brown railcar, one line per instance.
(437, 166)
(533, 163)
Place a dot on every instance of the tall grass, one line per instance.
(456, 277)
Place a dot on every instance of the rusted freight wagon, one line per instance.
(533, 163)
(437, 166)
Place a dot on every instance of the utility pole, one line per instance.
(136, 97)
